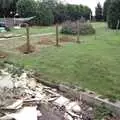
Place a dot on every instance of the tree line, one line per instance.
(110, 13)
(7, 8)
(47, 12)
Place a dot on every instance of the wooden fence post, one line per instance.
(78, 31)
(28, 38)
(57, 35)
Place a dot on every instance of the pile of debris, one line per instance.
(22, 98)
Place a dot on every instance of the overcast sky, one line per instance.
(90, 3)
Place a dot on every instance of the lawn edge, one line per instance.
(87, 96)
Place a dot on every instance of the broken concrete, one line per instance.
(24, 98)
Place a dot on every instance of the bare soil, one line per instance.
(24, 50)
(66, 39)
(46, 41)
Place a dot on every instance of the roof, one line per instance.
(24, 19)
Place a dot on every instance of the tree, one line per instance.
(44, 15)
(75, 12)
(6, 6)
(60, 13)
(114, 14)
(99, 12)
(87, 12)
(26, 8)
(13, 8)
(106, 8)
(48, 12)
(50, 4)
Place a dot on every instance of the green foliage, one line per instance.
(6, 7)
(60, 13)
(5, 4)
(44, 15)
(26, 8)
(75, 12)
(99, 12)
(114, 14)
(71, 28)
(106, 8)
(48, 12)
(53, 10)
(101, 112)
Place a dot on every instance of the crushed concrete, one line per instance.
(21, 98)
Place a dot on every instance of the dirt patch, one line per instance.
(3, 54)
(66, 39)
(24, 49)
(46, 41)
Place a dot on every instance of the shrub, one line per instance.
(114, 14)
(71, 28)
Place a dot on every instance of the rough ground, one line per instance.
(3, 54)
(24, 49)
(18, 91)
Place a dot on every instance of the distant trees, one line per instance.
(106, 8)
(26, 8)
(7, 7)
(48, 12)
(114, 15)
(111, 13)
(4, 8)
(44, 15)
(75, 12)
(60, 13)
(99, 12)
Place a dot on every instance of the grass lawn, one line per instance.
(93, 64)
(34, 30)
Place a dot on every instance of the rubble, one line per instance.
(26, 113)
(61, 101)
(74, 107)
(22, 98)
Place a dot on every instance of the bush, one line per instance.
(114, 14)
(71, 28)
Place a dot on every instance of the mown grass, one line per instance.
(34, 30)
(93, 64)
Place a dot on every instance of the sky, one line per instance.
(91, 3)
